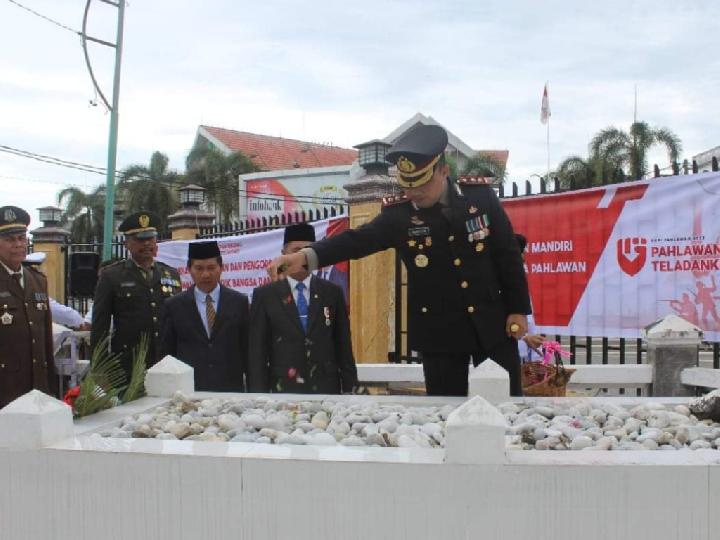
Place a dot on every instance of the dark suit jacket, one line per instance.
(322, 360)
(26, 343)
(459, 287)
(219, 360)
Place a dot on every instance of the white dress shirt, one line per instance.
(11, 272)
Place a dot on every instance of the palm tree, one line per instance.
(85, 213)
(218, 174)
(582, 173)
(482, 164)
(630, 149)
(616, 155)
(150, 188)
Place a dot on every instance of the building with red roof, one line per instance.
(274, 153)
(299, 176)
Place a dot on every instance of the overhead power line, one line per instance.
(47, 181)
(48, 19)
(51, 160)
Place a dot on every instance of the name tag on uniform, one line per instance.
(5, 294)
(418, 231)
(128, 284)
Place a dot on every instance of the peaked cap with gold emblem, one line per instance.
(140, 225)
(415, 154)
(13, 220)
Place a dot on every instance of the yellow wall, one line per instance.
(184, 234)
(372, 295)
(54, 269)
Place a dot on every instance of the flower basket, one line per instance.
(545, 379)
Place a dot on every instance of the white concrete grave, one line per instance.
(34, 420)
(168, 376)
(475, 433)
(489, 380)
(705, 377)
(86, 486)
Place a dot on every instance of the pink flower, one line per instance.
(292, 373)
(551, 348)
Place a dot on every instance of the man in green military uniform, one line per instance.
(26, 344)
(467, 290)
(131, 292)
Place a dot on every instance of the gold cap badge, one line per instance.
(405, 165)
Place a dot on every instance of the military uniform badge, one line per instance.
(421, 260)
(6, 318)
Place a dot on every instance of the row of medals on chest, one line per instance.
(419, 236)
(7, 318)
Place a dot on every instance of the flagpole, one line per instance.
(545, 119)
(547, 180)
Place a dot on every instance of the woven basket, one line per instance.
(545, 380)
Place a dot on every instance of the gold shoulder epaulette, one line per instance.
(474, 180)
(390, 200)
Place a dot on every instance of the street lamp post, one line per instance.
(109, 224)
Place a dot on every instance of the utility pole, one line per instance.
(109, 224)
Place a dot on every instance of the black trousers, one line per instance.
(446, 374)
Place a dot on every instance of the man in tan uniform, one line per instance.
(26, 348)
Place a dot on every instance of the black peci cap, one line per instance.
(303, 232)
(203, 250)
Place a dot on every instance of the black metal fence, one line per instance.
(250, 226)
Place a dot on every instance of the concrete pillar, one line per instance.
(34, 420)
(475, 434)
(185, 224)
(168, 376)
(672, 346)
(490, 381)
(372, 279)
(52, 240)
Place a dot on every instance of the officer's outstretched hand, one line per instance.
(516, 325)
(286, 264)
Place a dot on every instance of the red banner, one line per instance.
(609, 261)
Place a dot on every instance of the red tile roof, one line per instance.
(275, 153)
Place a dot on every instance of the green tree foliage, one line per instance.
(84, 212)
(616, 155)
(485, 165)
(218, 174)
(152, 187)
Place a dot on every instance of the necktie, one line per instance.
(302, 305)
(210, 312)
(17, 276)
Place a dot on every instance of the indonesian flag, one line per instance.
(545, 108)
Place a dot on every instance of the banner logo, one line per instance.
(631, 254)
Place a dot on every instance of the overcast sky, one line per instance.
(346, 72)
